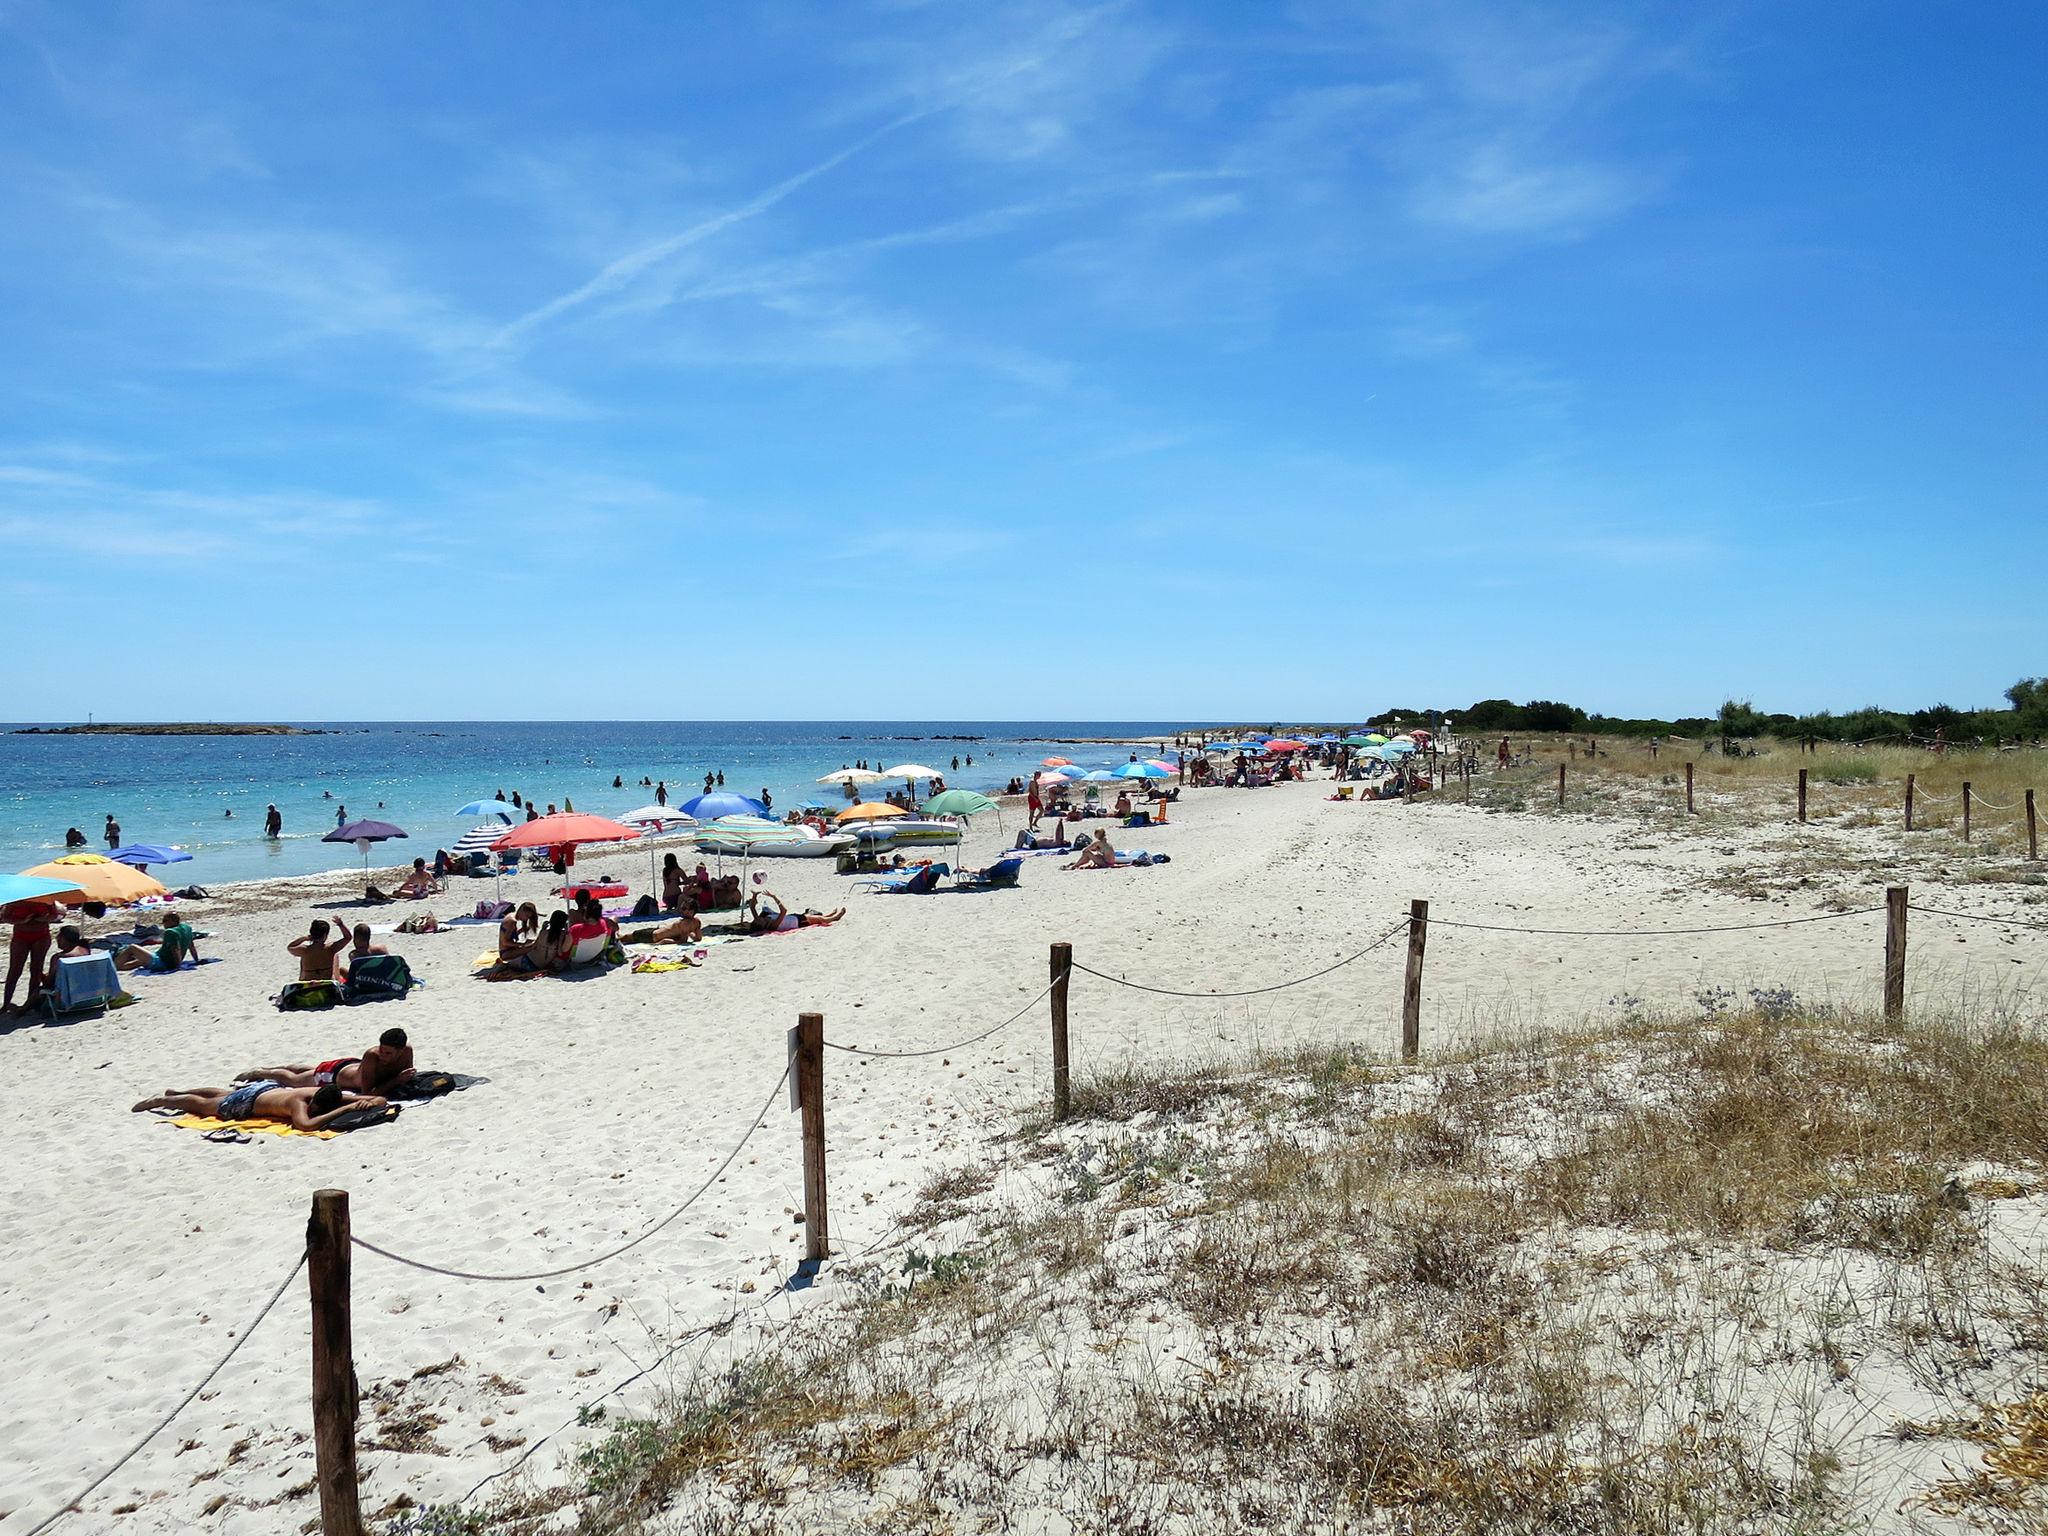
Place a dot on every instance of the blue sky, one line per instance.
(1039, 360)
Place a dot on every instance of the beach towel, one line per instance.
(154, 969)
(376, 978)
(655, 961)
(255, 1127)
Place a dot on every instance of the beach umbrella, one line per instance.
(870, 810)
(958, 802)
(1161, 763)
(720, 802)
(476, 808)
(656, 818)
(1072, 771)
(142, 855)
(1143, 771)
(1282, 744)
(363, 834)
(1398, 748)
(1055, 762)
(1360, 741)
(564, 830)
(15, 888)
(94, 877)
(1375, 738)
(1098, 776)
(858, 775)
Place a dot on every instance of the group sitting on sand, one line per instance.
(306, 1098)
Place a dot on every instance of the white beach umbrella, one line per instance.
(654, 820)
(858, 775)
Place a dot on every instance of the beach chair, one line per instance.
(921, 881)
(85, 984)
(999, 876)
(587, 951)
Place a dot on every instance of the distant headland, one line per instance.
(169, 728)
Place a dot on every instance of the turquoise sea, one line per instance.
(179, 789)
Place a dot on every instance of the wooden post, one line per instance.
(810, 1099)
(1560, 786)
(1688, 789)
(334, 1371)
(1411, 983)
(1802, 796)
(2033, 844)
(1062, 969)
(1909, 802)
(1895, 954)
(1966, 810)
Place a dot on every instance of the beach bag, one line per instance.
(374, 978)
(646, 906)
(299, 995)
(357, 1119)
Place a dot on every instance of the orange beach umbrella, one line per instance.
(98, 878)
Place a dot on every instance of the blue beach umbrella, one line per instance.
(1141, 771)
(476, 808)
(1099, 776)
(15, 888)
(722, 802)
(142, 855)
(1399, 747)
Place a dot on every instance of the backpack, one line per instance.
(374, 978)
(308, 994)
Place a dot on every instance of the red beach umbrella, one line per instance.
(564, 829)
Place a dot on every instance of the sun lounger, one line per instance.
(1001, 875)
(921, 881)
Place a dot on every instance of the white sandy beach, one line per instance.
(135, 1249)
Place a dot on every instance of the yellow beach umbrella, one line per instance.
(99, 878)
(870, 810)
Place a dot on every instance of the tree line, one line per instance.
(2025, 717)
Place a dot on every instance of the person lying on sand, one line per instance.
(1096, 855)
(387, 1062)
(305, 1109)
(172, 951)
(781, 920)
(318, 955)
(683, 930)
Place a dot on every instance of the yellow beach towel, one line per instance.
(260, 1127)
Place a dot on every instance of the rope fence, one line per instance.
(164, 1423)
(753, 1125)
(330, 1242)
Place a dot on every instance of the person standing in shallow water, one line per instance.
(273, 822)
(113, 831)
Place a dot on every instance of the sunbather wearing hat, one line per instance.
(387, 1062)
(305, 1109)
(781, 920)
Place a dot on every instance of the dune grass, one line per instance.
(1758, 1273)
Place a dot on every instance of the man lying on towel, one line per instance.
(303, 1109)
(383, 1065)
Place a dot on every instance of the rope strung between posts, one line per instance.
(940, 1050)
(569, 1269)
(1920, 793)
(165, 1422)
(1654, 933)
(1990, 804)
(1976, 917)
(1280, 986)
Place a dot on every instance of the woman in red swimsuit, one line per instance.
(27, 944)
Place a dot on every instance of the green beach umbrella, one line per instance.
(958, 802)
